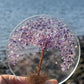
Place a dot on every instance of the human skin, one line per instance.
(11, 79)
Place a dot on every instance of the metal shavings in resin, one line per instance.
(41, 31)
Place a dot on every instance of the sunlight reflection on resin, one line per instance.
(43, 44)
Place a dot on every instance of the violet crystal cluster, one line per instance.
(47, 33)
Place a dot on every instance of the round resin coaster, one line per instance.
(43, 44)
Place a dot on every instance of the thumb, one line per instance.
(52, 81)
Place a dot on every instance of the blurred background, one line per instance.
(13, 12)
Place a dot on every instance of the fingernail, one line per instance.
(52, 81)
(48, 82)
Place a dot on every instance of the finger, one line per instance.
(11, 79)
(52, 81)
(2, 81)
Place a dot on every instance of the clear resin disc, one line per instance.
(30, 37)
